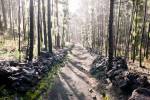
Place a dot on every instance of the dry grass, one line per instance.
(9, 48)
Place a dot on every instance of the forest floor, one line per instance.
(73, 81)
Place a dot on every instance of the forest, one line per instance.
(74, 50)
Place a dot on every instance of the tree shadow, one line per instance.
(78, 56)
(81, 77)
(59, 92)
(79, 95)
(78, 65)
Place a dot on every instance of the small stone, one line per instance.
(94, 97)
(91, 90)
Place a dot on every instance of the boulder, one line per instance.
(140, 94)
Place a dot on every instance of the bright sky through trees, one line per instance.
(74, 5)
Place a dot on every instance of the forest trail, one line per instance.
(74, 82)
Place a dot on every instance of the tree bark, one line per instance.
(19, 33)
(143, 30)
(148, 42)
(31, 36)
(118, 28)
(44, 24)
(38, 27)
(4, 13)
(111, 48)
(49, 27)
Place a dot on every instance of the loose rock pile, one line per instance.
(22, 76)
(99, 67)
(119, 75)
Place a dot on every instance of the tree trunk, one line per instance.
(44, 24)
(23, 19)
(58, 35)
(111, 48)
(49, 27)
(148, 42)
(118, 28)
(136, 27)
(31, 36)
(38, 27)
(143, 30)
(4, 13)
(10, 16)
(129, 33)
(63, 34)
(19, 33)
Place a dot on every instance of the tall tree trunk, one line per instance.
(4, 13)
(38, 27)
(13, 29)
(58, 34)
(143, 30)
(44, 24)
(148, 42)
(49, 26)
(1, 24)
(118, 28)
(10, 16)
(129, 33)
(111, 48)
(134, 37)
(31, 36)
(23, 20)
(63, 34)
(19, 33)
(93, 30)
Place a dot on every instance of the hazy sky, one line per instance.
(74, 5)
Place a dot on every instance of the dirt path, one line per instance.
(74, 82)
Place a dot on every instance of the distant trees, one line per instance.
(127, 33)
(65, 23)
(118, 28)
(122, 30)
(29, 28)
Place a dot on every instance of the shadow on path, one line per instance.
(78, 65)
(78, 94)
